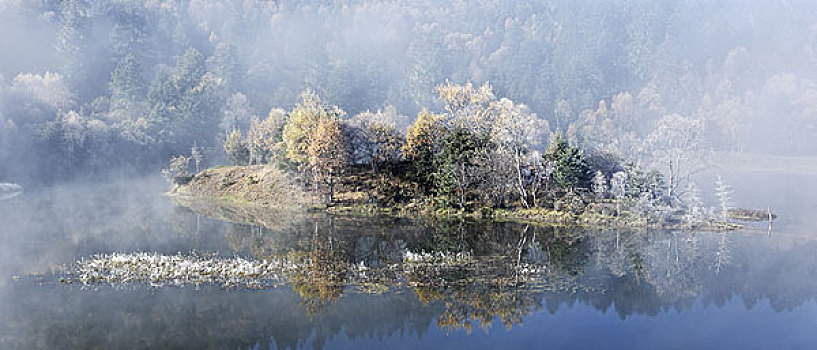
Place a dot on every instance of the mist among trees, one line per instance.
(88, 88)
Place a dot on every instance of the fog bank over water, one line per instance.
(8, 190)
(631, 282)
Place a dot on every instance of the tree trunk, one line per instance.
(462, 186)
(672, 184)
(534, 197)
(331, 184)
(315, 178)
(522, 191)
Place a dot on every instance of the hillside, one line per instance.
(260, 185)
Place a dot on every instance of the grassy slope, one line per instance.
(259, 185)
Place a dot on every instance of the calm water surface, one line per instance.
(751, 289)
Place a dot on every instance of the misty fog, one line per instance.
(100, 87)
(664, 111)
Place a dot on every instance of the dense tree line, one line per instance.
(91, 86)
(481, 152)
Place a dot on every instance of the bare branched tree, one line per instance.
(675, 147)
(517, 132)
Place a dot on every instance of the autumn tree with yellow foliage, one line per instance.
(421, 146)
(302, 124)
(327, 153)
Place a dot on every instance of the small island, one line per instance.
(482, 158)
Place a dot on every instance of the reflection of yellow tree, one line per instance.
(321, 280)
(466, 305)
(475, 292)
(498, 282)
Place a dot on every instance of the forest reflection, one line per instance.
(480, 271)
(360, 282)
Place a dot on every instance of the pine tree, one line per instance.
(72, 38)
(225, 65)
(571, 170)
(724, 193)
(126, 84)
(178, 173)
(420, 148)
(457, 162)
(189, 70)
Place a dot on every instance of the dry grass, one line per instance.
(260, 185)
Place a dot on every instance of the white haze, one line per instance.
(747, 71)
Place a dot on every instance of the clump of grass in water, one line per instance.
(436, 257)
(159, 270)
(320, 274)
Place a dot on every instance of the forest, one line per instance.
(478, 174)
(481, 155)
(94, 88)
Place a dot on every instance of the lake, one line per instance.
(517, 286)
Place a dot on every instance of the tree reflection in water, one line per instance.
(360, 282)
(475, 271)
(481, 271)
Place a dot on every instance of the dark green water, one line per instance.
(608, 289)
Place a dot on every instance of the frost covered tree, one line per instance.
(618, 188)
(236, 114)
(644, 205)
(599, 185)
(563, 113)
(467, 107)
(126, 86)
(724, 193)
(675, 147)
(197, 156)
(50, 89)
(265, 138)
(72, 37)
(224, 63)
(375, 138)
(542, 173)
(694, 204)
(517, 133)
(178, 172)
